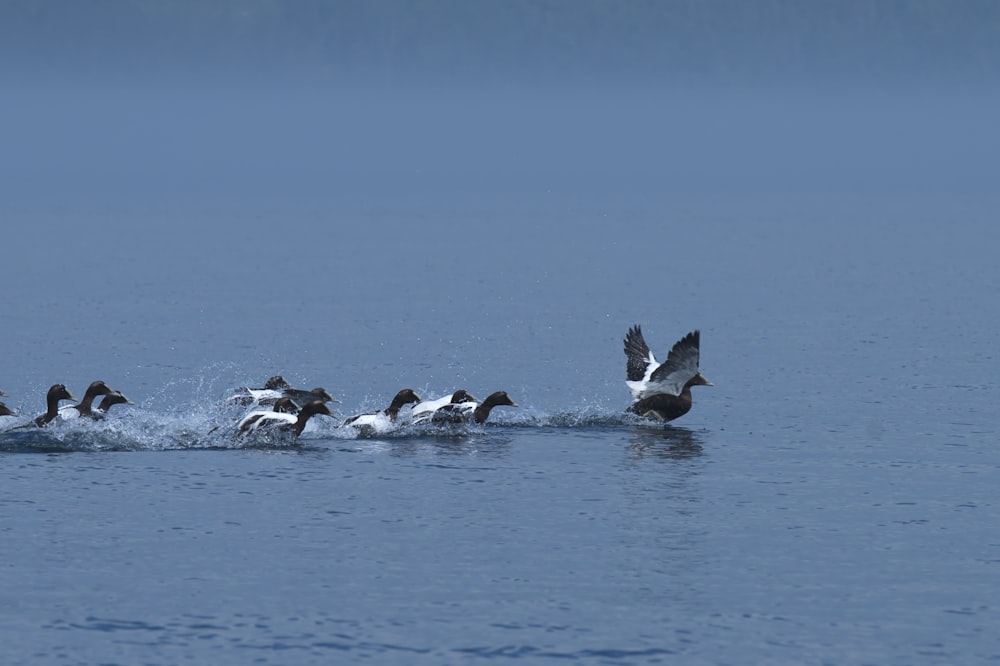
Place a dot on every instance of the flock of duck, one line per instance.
(660, 391)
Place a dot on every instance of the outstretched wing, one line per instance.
(639, 356)
(681, 365)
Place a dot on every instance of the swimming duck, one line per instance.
(281, 405)
(113, 398)
(662, 391)
(282, 420)
(276, 387)
(270, 392)
(467, 412)
(56, 393)
(458, 397)
(370, 420)
(84, 407)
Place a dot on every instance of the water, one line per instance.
(831, 499)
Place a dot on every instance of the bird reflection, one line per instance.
(672, 442)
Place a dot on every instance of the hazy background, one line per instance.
(287, 185)
(391, 98)
(587, 42)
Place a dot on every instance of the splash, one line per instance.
(211, 424)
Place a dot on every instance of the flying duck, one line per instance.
(56, 393)
(281, 420)
(467, 412)
(662, 391)
(85, 406)
(5, 410)
(404, 397)
(458, 397)
(368, 422)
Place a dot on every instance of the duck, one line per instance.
(458, 397)
(6, 411)
(277, 387)
(270, 392)
(368, 421)
(56, 393)
(85, 406)
(281, 406)
(662, 391)
(113, 398)
(282, 421)
(302, 397)
(467, 412)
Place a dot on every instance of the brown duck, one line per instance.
(662, 391)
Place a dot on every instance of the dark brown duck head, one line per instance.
(276, 382)
(404, 397)
(95, 389)
(461, 395)
(113, 398)
(56, 393)
(310, 410)
(698, 380)
(500, 398)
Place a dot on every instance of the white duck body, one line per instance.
(429, 406)
(279, 421)
(465, 412)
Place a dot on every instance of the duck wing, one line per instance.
(368, 418)
(428, 406)
(681, 365)
(639, 356)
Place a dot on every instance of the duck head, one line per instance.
(276, 382)
(322, 394)
(114, 398)
(461, 395)
(699, 380)
(59, 392)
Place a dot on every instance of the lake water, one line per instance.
(832, 499)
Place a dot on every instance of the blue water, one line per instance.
(832, 499)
